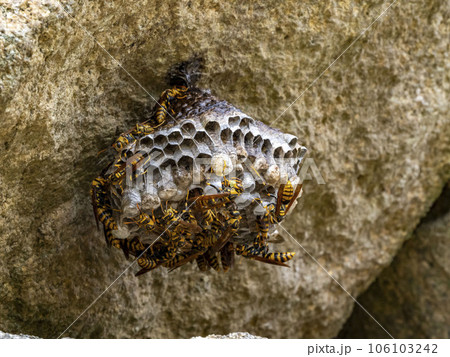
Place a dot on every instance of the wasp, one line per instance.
(286, 196)
(134, 246)
(101, 205)
(231, 188)
(200, 245)
(124, 140)
(145, 220)
(202, 263)
(275, 258)
(184, 258)
(187, 225)
(167, 255)
(117, 176)
(223, 245)
(227, 256)
(263, 228)
(169, 216)
(130, 137)
(207, 214)
(212, 261)
(155, 256)
(98, 195)
(232, 226)
(146, 264)
(136, 163)
(177, 92)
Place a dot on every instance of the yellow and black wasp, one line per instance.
(227, 256)
(275, 258)
(101, 203)
(166, 100)
(286, 196)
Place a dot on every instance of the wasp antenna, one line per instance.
(257, 173)
(98, 154)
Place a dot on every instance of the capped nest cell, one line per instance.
(207, 183)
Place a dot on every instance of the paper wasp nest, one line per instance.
(207, 140)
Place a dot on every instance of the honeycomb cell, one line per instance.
(168, 164)
(244, 200)
(202, 137)
(175, 137)
(203, 150)
(234, 121)
(146, 142)
(291, 140)
(221, 164)
(266, 147)
(152, 177)
(272, 175)
(248, 140)
(248, 182)
(187, 145)
(212, 127)
(278, 153)
(244, 123)
(258, 142)
(161, 141)
(130, 199)
(186, 162)
(238, 137)
(289, 154)
(188, 129)
(225, 136)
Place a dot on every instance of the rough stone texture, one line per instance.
(376, 125)
(4, 336)
(234, 336)
(410, 297)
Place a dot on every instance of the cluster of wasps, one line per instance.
(206, 228)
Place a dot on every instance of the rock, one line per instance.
(234, 336)
(376, 124)
(4, 336)
(410, 297)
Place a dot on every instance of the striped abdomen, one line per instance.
(213, 262)
(227, 256)
(147, 263)
(288, 193)
(105, 216)
(279, 257)
(202, 263)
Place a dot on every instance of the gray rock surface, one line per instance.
(6, 336)
(376, 124)
(410, 297)
(234, 336)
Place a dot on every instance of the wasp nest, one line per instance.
(200, 180)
